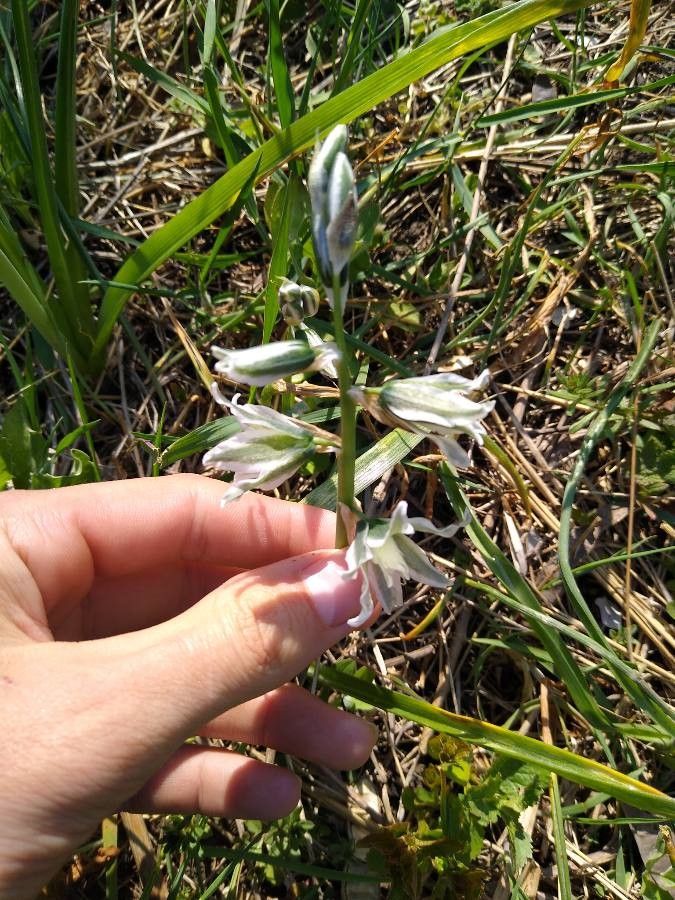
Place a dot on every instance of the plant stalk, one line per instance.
(347, 455)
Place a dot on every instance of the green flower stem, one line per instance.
(347, 454)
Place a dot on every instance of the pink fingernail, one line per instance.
(335, 598)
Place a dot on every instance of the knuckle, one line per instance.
(263, 625)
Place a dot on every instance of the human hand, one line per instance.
(134, 615)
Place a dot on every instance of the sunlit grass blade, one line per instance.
(632, 686)
(280, 76)
(66, 263)
(562, 863)
(291, 864)
(565, 764)
(370, 467)
(501, 567)
(353, 45)
(288, 197)
(25, 286)
(561, 104)
(649, 733)
(346, 106)
(210, 26)
(65, 160)
(170, 85)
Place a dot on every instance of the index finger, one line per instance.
(69, 536)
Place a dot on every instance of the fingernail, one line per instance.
(335, 598)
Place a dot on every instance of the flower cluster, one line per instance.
(268, 447)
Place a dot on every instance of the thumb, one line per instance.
(250, 635)
(91, 722)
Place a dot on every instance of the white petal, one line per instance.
(417, 564)
(452, 451)
(367, 608)
(420, 524)
(385, 587)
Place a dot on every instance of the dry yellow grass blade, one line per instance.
(637, 25)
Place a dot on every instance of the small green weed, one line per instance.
(436, 852)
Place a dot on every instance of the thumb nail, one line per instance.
(334, 597)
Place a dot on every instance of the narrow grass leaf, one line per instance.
(223, 131)
(65, 159)
(279, 261)
(370, 467)
(562, 104)
(501, 567)
(289, 864)
(199, 440)
(353, 46)
(23, 285)
(210, 25)
(562, 862)
(66, 263)
(643, 699)
(283, 88)
(565, 764)
(170, 85)
(647, 733)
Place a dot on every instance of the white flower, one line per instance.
(384, 554)
(268, 448)
(438, 406)
(262, 365)
(334, 212)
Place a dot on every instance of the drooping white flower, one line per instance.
(332, 193)
(438, 406)
(384, 553)
(268, 448)
(262, 365)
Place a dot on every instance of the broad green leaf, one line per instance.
(15, 446)
(200, 440)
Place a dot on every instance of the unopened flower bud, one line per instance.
(334, 213)
(262, 365)
(297, 301)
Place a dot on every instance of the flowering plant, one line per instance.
(269, 446)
